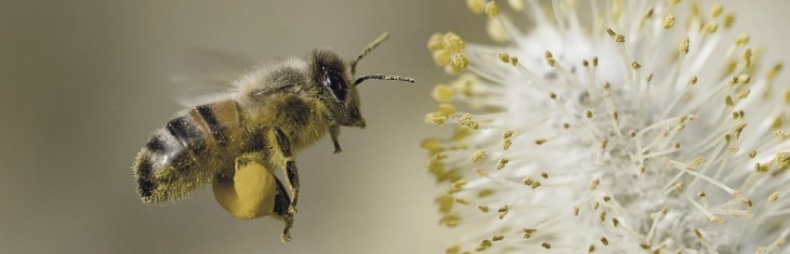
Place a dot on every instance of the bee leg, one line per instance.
(282, 204)
(334, 131)
(291, 172)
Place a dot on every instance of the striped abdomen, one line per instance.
(188, 151)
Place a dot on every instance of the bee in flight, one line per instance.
(236, 142)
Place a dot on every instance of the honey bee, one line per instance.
(237, 141)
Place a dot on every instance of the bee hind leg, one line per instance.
(291, 172)
(282, 211)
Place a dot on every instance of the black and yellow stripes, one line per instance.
(144, 174)
(215, 127)
(188, 151)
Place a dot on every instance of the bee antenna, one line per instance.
(383, 37)
(383, 77)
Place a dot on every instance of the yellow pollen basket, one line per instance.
(250, 194)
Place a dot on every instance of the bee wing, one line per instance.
(204, 75)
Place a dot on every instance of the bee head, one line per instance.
(338, 91)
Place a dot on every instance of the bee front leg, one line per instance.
(334, 131)
(291, 172)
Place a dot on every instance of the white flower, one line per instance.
(612, 126)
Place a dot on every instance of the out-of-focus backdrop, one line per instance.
(83, 83)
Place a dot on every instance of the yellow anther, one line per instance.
(744, 79)
(455, 249)
(669, 21)
(619, 38)
(476, 6)
(516, 4)
(742, 39)
(594, 184)
(611, 32)
(454, 42)
(550, 59)
(466, 120)
(446, 109)
(496, 30)
(452, 69)
(485, 193)
(477, 156)
(684, 46)
(441, 57)
(729, 19)
(445, 204)
(443, 93)
(503, 211)
(514, 60)
(450, 221)
(459, 184)
(481, 172)
(761, 168)
(649, 13)
(504, 57)
(460, 61)
(462, 201)
(432, 145)
(460, 133)
(506, 143)
(435, 119)
(501, 163)
(435, 42)
(774, 71)
(782, 160)
(710, 27)
(777, 123)
(483, 245)
(716, 10)
(773, 197)
(492, 9)
(747, 57)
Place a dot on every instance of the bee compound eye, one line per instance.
(336, 83)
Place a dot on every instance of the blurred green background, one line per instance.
(83, 83)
